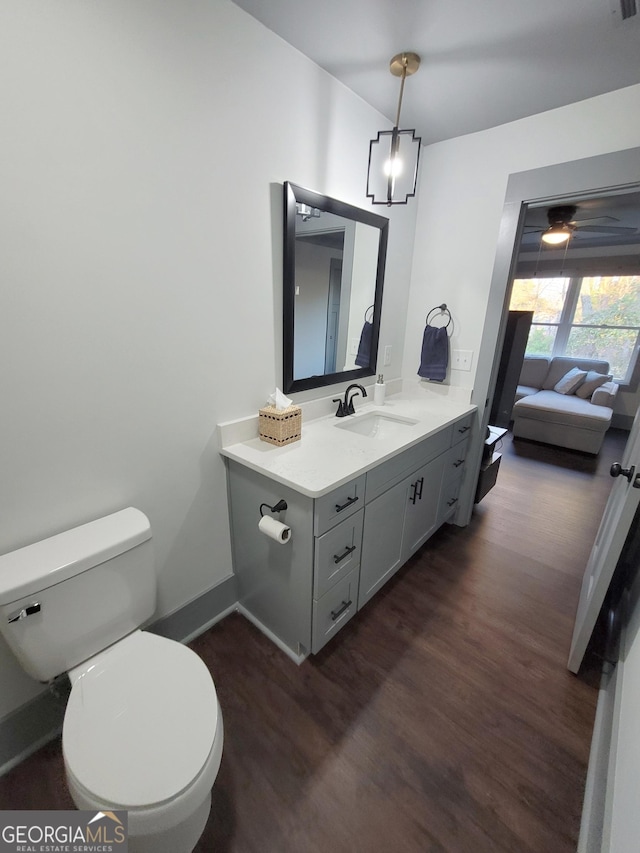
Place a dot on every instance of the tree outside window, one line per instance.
(584, 317)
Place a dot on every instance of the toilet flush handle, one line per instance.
(17, 615)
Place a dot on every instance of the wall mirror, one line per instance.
(334, 260)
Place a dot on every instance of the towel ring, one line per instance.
(370, 308)
(443, 310)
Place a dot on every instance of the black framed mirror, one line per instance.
(334, 262)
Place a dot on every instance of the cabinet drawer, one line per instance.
(339, 504)
(334, 609)
(449, 498)
(454, 460)
(337, 552)
(462, 428)
(394, 470)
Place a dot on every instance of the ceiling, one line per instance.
(483, 63)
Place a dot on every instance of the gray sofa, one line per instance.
(577, 419)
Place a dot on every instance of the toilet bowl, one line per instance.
(157, 701)
(143, 728)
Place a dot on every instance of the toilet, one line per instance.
(143, 727)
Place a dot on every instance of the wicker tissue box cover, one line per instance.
(280, 427)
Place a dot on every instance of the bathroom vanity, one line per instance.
(363, 493)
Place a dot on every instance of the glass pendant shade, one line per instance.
(394, 154)
(393, 166)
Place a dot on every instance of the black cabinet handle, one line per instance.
(452, 501)
(458, 463)
(417, 490)
(336, 614)
(339, 558)
(464, 429)
(350, 501)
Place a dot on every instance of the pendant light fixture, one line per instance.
(394, 154)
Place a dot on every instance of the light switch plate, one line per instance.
(387, 355)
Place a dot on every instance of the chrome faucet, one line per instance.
(345, 407)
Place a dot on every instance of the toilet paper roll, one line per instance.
(274, 529)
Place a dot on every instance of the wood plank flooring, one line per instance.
(442, 718)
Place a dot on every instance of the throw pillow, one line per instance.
(592, 381)
(570, 381)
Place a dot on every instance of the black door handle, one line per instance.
(617, 470)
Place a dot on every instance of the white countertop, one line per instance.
(328, 455)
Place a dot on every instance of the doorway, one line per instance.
(610, 176)
(578, 179)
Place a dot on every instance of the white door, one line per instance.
(614, 527)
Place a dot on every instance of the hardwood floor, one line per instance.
(442, 717)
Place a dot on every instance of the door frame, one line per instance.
(618, 171)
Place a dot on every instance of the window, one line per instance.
(583, 316)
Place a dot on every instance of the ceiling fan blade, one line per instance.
(595, 220)
(606, 229)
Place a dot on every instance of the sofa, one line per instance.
(564, 401)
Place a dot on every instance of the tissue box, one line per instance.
(280, 427)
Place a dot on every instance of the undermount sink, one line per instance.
(376, 424)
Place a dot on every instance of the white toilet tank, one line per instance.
(66, 598)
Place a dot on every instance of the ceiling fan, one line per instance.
(562, 225)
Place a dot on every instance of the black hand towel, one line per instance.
(364, 347)
(435, 353)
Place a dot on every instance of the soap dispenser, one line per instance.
(379, 390)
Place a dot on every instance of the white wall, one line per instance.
(144, 147)
(462, 191)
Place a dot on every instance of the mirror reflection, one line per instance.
(333, 276)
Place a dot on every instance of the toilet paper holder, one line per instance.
(279, 507)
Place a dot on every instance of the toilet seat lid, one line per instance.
(140, 721)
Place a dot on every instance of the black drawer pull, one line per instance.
(419, 490)
(464, 429)
(336, 614)
(458, 463)
(339, 558)
(348, 503)
(452, 501)
(414, 496)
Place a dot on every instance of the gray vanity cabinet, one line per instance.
(452, 477)
(421, 513)
(345, 544)
(275, 582)
(397, 523)
(382, 540)
(336, 568)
